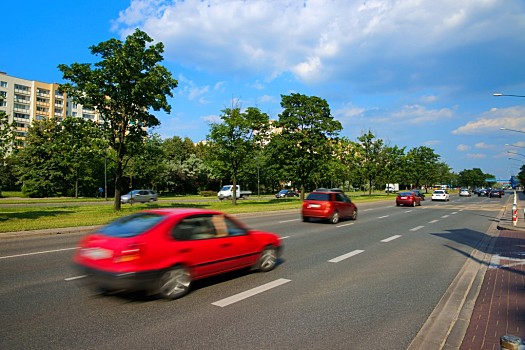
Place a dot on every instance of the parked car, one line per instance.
(141, 196)
(286, 193)
(495, 192)
(483, 192)
(162, 251)
(408, 198)
(464, 192)
(419, 193)
(328, 205)
(440, 195)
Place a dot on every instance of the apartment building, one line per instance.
(25, 101)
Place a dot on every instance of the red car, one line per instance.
(408, 198)
(162, 251)
(328, 205)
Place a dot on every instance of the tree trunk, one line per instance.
(234, 191)
(118, 185)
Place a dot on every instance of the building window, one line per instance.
(3, 104)
(88, 116)
(3, 84)
(42, 109)
(40, 117)
(22, 88)
(74, 114)
(20, 106)
(21, 115)
(3, 93)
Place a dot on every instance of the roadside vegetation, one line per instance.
(35, 217)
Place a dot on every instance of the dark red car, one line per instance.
(408, 198)
(328, 205)
(162, 251)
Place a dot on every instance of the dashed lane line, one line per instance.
(345, 256)
(433, 221)
(416, 228)
(389, 239)
(250, 293)
(35, 253)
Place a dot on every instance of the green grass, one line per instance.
(30, 217)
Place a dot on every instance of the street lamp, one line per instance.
(513, 145)
(519, 154)
(523, 132)
(519, 160)
(497, 94)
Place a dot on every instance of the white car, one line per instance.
(440, 195)
(464, 192)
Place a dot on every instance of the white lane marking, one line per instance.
(408, 211)
(249, 293)
(416, 228)
(35, 253)
(343, 225)
(386, 240)
(445, 216)
(454, 213)
(74, 278)
(282, 222)
(382, 217)
(433, 221)
(367, 209)
(285, 237)
(346, 256)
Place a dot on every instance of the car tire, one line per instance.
(306, 219)
(354, 215)
(174, 283)
(267, 260)
(397, 204)
(414, 203)
(334, 219)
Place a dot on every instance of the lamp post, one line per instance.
(509, 145)
(519, 154)
(497, 94)
(519, 160)
(523, 132)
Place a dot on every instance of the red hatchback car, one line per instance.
(328, 205)
(408, 198)
(162, 251)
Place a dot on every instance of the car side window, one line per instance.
(339, 197)
(234, 229)
(194, 228)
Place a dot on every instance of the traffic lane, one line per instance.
(222, 289)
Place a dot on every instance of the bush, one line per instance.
(208, 193)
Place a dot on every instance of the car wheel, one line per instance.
(335, 218)
(306, 219)
(414, 203)
(174, 283)
(354, 215)
(267, 260)
(397, 204)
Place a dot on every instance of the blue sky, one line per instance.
(414, 72)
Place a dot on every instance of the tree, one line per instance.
(371, 158)
(305, 142)
(123, 87)
(7, 138)
(235, 140)
(421, 165)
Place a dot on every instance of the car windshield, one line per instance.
(132, 193)
(404, 194)
(318, 196)
(283, 191)
(226, 188)
(439, 192)
(132, 225)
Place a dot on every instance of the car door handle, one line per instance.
(226, 245)
(185, 250)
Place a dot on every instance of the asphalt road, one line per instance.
(365, 284)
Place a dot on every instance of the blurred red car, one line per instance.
(408, 198)
(329, 205)
(162, 251)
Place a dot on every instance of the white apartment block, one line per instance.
(25, 101)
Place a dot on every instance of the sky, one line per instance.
(413, 72)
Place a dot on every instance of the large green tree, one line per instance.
(236, 139)
(371, 158)
(7, 139)
(422, 166)
(305, 142)
(124, 86)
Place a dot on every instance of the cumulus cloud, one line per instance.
(484, 145)
(511, 118)
(463, 148)
(416, 114)
(319, 40)
(476, 155)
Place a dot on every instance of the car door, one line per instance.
(343, 204)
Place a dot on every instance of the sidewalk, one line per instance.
(500, 305)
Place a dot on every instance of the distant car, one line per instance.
(464, 192)
(140, 196)
(328, 205)
(162, 251)
(440, 195)
(495, 192)
(408, 198)
(286, 193)
(419, 193)
(483, 192)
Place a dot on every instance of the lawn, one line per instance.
(34, 217)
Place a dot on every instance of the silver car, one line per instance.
(139, 196)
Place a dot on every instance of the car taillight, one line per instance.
(129, 253)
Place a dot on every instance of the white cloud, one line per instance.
(463, 148)
(484, 145)
(476, 155)
(511, 118)
(416, 114)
